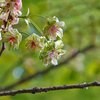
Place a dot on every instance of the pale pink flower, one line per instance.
(13, 20)
(53, 28)
(13, 37)
(18, 4)
(34, 43)
(52, 56)
(52, 52)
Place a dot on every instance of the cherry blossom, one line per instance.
(53, 28)
(34, 43)
(13, 38)
(52, 52)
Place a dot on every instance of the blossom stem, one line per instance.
(3, 6)
(31, 15)
(22, 16)
(24, 33)
(35, 25)
(37, 16)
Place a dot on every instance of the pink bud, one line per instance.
(18, 4)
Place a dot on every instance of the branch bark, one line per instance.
(2, 49)
(46, 89)
(48, 69)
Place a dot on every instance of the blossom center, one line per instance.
(33, 44)
(52, 30)
(12, 40)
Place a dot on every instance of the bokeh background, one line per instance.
(82, 18)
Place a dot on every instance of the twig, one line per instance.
(46, 89)
(2, 49)
(3, 44)
(47, 70)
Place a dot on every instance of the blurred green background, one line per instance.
(82, 18)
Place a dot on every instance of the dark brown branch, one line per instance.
(46, 89)
(3, 44)
(48, 69)
(2, 48)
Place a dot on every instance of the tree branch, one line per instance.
(48, 69)
(3, 44)
(2, 49)
(46, 89)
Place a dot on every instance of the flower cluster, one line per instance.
(9, 12)
(52, 49)
(52, 52)
(49, 44)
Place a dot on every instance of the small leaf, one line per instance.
(27, 23)
(28, 12)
